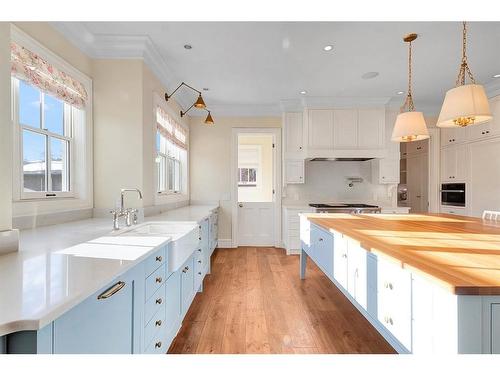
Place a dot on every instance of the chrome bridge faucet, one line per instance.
(125, 212)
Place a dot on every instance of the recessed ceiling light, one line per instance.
(496, 76)
(328, 48)
(401, 92)
(303, 92)
(370, 75)
(205, 89)
(187, 46)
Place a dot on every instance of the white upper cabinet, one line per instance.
(371, 126)
(453, 163)
(294, 171)
(451, 136)
(293, 135)
(320, 129)
(345, 135)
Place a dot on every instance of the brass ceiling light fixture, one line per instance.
(209, 120)
(464, 105)
(410, 125)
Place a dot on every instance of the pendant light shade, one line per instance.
(464, 105)
(209, 120)
(200, 103)
(410, 125)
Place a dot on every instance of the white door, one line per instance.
(256, 189)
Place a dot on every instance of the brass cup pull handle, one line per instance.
(199, 250)
(158, 323)
(159, 258)
(159, 280)
(158, 344)
(240, 205)
(159, 301)
(320, 240)
(113, 290)
(199, 261)
(199, 273)
(185, 269)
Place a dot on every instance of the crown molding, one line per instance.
(241, 110)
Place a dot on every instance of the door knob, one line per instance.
(240, 204)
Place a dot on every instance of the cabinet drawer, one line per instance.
(155, 326)
(394, 300)
(152, 305)
(154, 281)
(152, 263)
(158, 344)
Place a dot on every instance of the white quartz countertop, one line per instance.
(58, 266)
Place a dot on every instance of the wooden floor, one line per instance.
(254, 302)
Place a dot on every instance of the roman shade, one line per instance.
(35, 70)
(170, 129)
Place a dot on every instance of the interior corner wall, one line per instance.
(210, 161)
(118, 130)
(5, 130)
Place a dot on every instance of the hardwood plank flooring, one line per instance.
(254, 302)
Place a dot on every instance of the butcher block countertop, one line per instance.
(462, 253)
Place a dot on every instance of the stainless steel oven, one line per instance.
(453, 195)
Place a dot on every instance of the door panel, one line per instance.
(371, 128)
(321, 129)
(256, 224)
(345, 129)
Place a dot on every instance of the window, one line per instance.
(247, 177)
(171, 154)
(45, 129)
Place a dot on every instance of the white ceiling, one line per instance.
(253, 67)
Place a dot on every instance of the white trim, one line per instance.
(82, 174)
(276, 132)
(225, 244)
(434, 165)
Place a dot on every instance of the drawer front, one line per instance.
(155, 327)
(394, 300)
(153, 304)
(154, 281)
(158, 344)
(156, 260)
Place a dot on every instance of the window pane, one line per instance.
(252, 175)
(158, 141)
(29, 105)
(53, 110)
(170, 174)
(161, 163)
(34, 162)
(177, 184)
(59, 164)
(244, 174)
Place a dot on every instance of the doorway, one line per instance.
(256, 202)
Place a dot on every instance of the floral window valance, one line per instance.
(170, 129)
(32, 68)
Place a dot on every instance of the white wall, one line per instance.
(326, 182)
(5, 130)
(210, 163)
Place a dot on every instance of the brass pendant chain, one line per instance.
(409, 98)
(464, 66)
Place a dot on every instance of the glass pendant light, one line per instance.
(410, 125)
(464, 105)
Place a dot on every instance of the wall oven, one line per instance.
(453, 194)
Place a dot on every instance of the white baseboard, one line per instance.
(292, 251)
(225, 243)
(9, 241)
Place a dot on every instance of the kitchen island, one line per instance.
(428, 283)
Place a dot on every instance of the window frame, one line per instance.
(166, 158)
(81, 168)
(68, 136)
(247, 183)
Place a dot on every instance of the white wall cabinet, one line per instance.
(454, 163)
(293, 135)
(385, 171)
(452, 136)
(320, 129)
(294, 171)
(371, 128)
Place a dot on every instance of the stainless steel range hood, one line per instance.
(341, 159)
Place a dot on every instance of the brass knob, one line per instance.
(199, 273)
(159, 301)
(159, 258)
(158, 280)
(199, 250)
(158, 323)
(187, 268)
(158, 344)
(199, 261)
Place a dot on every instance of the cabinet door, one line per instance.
(451, 136)
(294, 171)
(371, 128)
(477, 132)
(173, 301)
(187, 285)
(320, 129)
(495, 328)
(494, 125)
(414, 173)
(102, 324)
(357, 273)
(448, 163)
(345, 123)
(461, 163)
(484, 166)
(293, 134)
(340, 259)
(389, 171)
(323, 250)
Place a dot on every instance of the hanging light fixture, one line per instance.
(464, 105)
(200, 103)
(410, 125)
(209, 120)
